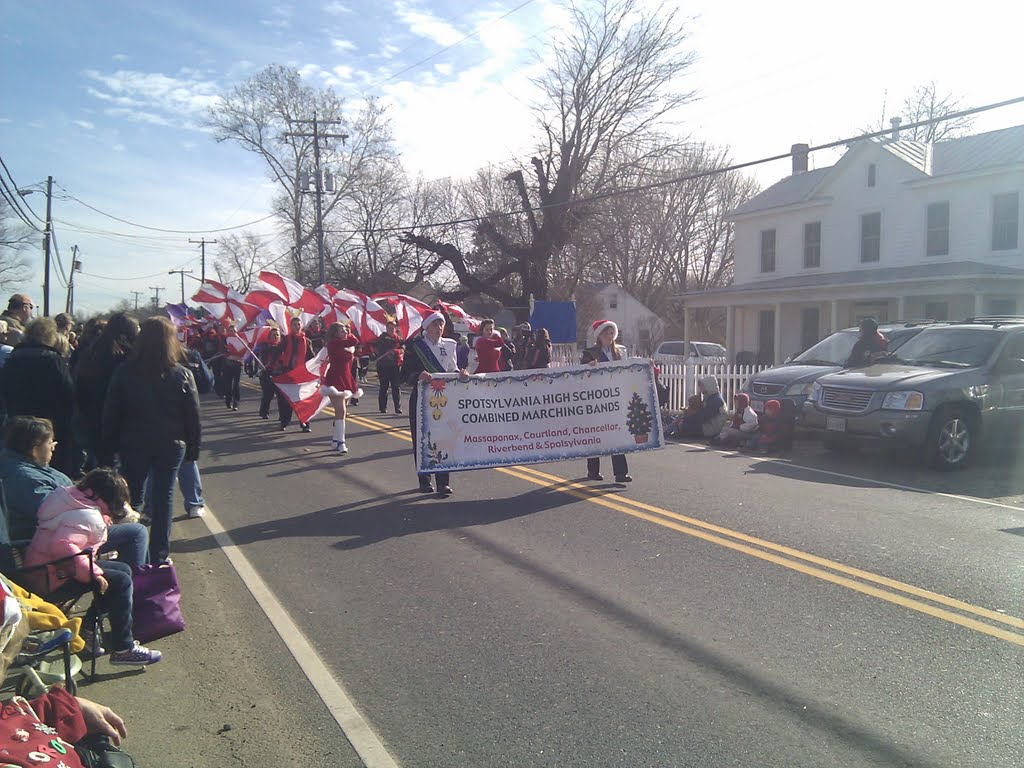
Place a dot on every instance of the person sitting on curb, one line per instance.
(741, 427)
(709, 421)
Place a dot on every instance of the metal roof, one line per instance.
(946, 269)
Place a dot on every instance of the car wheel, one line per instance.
(951, 438)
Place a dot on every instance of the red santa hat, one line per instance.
(600, 325)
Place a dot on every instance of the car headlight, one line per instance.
(977, 391)
(799, 389)
(816, 392)
(903, 401)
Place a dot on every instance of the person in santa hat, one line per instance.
(340, 384)
(428, 353)
(605, 350)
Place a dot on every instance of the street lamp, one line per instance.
(46, 242)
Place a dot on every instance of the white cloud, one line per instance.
(5, 121)
(280, 18)
(427, 25)
(443, 69)
(152, 97)
(120, 57)
(337, 9)
(118, 148)
(84, 124)
(342, 45)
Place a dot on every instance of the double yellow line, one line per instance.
(906, 595)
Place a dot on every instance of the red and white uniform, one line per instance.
(341, 351)
(488, 353)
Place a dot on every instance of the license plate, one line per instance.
(835, 424)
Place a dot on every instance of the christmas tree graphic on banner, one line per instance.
(638, 419)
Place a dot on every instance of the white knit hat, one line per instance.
(600, 325)
(432, 318)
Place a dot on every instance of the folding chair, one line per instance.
(65, 597)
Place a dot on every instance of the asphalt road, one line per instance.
(720, 611)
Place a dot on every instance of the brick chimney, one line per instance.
(895, 123)
(799, 153)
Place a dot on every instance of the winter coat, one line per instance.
(142, 411)
(36, 381)
(55, 710)
(538, 356)
(69, 523)
(488, 353)
(712, 410)
(744, 418)
(25, 485)
(597, 353)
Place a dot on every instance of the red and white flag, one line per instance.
(292, 293)
(301, 387)
(241, 343)
(409, 312)
(367, 317)
(225, 303)
(455, 312)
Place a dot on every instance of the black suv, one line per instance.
(941, 391)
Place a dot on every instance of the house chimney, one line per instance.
(895, 123)
(799, 153)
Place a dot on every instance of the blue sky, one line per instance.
(108, 97)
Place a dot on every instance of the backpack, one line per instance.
(200, 372)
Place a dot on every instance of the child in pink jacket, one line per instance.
(71, 521)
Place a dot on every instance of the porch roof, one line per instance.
(843, 281)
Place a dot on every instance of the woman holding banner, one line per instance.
(340, 384)
(426, 354)
(606, 351)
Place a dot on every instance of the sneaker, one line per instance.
(196, 512)
(93, 646)
(306, 428)
(136, 656)
(342, 449)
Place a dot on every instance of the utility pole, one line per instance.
(76, 266)
(202, 243)
(156, 297)
(181, 272)
(46, 248)
(316, 136)
(137, 294)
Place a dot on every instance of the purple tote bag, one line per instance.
(156, 603)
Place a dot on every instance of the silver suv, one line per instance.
(942, 391)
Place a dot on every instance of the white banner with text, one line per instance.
(526, 417)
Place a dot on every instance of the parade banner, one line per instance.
(526, 417)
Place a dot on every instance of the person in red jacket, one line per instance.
(488, 347)
(293, 353)
(340, 383)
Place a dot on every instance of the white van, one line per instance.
(698, 353)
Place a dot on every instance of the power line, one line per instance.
(16, 199)
(159, 229)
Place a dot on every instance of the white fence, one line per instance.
(681, 379)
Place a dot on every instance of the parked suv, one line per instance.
(945, 389)
(794, 378)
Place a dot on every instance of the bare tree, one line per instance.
(270, 116)
(610, 84)
(14, 238)
(240, 258)
(927, 104)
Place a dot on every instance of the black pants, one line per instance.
(232, 382)
(619, 466)
(442, 477)
(389, 377)
(267, 390)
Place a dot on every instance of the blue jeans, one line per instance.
(116, 602)
(189, 484)
(130, 541)
(155, 467)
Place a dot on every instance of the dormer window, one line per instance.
(871, 175)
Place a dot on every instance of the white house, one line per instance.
(640, 329)
(896, 230)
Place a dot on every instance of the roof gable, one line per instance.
(967, 154)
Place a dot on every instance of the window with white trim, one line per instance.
(1005, 221)
(870, 237)
(938, 230)
(812, 244)
(767, 250)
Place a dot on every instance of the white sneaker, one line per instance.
(197, 511)
(342, 448)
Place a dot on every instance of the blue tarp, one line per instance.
(559, 317)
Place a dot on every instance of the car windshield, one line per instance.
(709, 350)
(672, 348)
(950, 347)
(835, 350)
